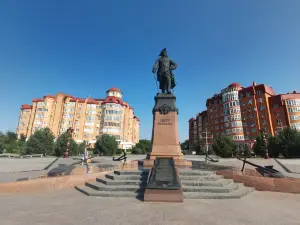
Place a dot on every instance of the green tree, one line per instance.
(136, 151)
(106, 145)
(224, 146)
(289, 142)
(273, 146)
(81, 147)
(144, 145)
(61, 145)
(2, 136)
(185, 145)
(10, 142)
(259, 147)
(41, 142)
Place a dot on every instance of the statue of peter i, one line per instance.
(165, 76)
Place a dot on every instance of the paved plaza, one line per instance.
(12, 169)
(72, 207)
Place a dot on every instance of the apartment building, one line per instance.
(88, 117)
(243, 112)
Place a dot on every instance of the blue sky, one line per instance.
(85, 47)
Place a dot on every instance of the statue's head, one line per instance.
(163, 53)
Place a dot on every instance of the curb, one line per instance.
(283, 166)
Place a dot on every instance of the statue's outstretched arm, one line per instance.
(155, 67)
(173, 65)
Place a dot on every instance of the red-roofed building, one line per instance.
(89, 117)
(242, 112)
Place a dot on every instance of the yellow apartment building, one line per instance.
(87, 117)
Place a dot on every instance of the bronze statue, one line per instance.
(165, 76)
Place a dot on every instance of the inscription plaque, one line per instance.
(163, 175)
(165, 122)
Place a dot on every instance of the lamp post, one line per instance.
(206, 142)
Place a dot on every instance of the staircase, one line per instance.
(195, 184)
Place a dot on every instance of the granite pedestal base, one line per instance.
(163, 183)
(165, 140)
(158, 195)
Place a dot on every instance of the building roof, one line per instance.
(49, 96)
(91, 101)
(26, 106)
(112, 99)
(211, 100)
(234, 85)
(257, 87)
(191, 119)
(279, 99)
(114, 89)
(38, 100)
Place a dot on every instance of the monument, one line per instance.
(165, 140)
(163, 182)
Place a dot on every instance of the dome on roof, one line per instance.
(234, 85)
(115, 89)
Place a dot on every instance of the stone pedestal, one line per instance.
(165, 140)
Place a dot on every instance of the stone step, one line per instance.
(102, 187)
(127, 177)
(195, 173)
(238, 193)
(212, 189)
(92, 192)
(201, 178)
(218, 183)
(120, 182)
(143, 172)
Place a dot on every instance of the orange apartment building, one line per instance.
(88, 117)
(242, 112)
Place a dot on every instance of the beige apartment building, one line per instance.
(87, 117)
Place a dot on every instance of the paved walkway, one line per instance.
(72, 207)
(12, 169)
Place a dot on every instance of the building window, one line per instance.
(275, 106)
(294, 109)
(277, 113)
(253, 129)
(259, 92)
(248, 94)
(260, 99)
(295, 117)
(251, 123)
(278, 122)
(250, 101)
(262, 107)
(251, 115)
(294, 102)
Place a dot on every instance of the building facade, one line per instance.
(87, 117)
(243, 112)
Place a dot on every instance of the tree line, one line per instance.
(285, 144)
(44, 142)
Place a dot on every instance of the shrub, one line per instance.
(119, 151)
(61, 145)
(224, 146)
(136, 151)
(106, 145)
(41, 142)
